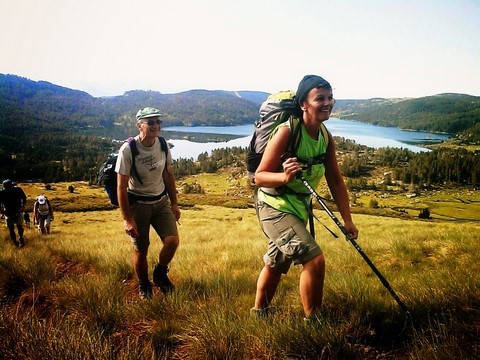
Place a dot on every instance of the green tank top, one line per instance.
(295, 199)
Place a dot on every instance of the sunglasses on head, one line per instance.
(152, 122)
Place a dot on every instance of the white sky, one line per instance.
(365, 48)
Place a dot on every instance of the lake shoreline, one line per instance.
(190, 141)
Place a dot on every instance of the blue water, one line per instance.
(362, 133)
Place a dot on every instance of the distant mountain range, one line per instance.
(40, 106)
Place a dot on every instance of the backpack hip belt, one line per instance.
(133, 198)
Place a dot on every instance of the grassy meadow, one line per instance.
(72, 294)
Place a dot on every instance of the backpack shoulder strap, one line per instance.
(163, 144)
(295, 134)
(133, 147)
(324, 132)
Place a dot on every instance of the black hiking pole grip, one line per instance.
(354, 243)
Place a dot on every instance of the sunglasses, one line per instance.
(151, 122)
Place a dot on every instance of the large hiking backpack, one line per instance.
(278, 108)
(43, 209)
(108, 176)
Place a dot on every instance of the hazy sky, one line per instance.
(365, 48)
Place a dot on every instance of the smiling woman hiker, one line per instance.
(283, 213)
(147, 196)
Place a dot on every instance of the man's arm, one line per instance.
(169, 181)
(35, 213)
(128, 222)
(50, 209)
(23, 200)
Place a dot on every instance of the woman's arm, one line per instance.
(337, 187)
(268, 173)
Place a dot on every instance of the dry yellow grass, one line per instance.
(76, 286)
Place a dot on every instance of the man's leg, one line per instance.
(170, 245)
(13, 236)
(160, 270)
(42, 225)
(140, 265)
(47, 224)
(311, 285)
(21, 240)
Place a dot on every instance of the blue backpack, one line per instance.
(108, 176)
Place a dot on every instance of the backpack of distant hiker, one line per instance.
(277, 109)
(43, 207)
(108, 176)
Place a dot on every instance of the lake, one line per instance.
(362, 133)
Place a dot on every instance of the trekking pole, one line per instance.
(355, 245)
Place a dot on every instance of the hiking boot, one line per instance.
(145, 290)
(263, 313)
(160, 278)
(313, 320)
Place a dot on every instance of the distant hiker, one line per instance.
(26, 218)
(283, 214)
(147, 196)
(12, 205)
(42, 214)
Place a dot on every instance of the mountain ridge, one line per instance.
(53, 107)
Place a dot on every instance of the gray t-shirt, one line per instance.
(149, 163)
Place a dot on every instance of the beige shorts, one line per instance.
(159, 215)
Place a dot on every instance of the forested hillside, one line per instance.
(449, 113)
(51, 133)
(53, 107)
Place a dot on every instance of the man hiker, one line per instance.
(42, 214)
(12, 206)
(147, 196)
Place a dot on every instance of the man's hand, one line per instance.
(130, 228)
(176, 211)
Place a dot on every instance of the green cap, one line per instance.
(148, 112)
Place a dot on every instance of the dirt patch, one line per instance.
(66, 267)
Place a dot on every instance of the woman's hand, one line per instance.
(291, 168)
(351, 228)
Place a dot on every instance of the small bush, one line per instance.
(373, 204)
(424, 214)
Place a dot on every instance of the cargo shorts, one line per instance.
(159, 215)
(289, 240)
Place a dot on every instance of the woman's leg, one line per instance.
(312, 279)
(267, 284)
